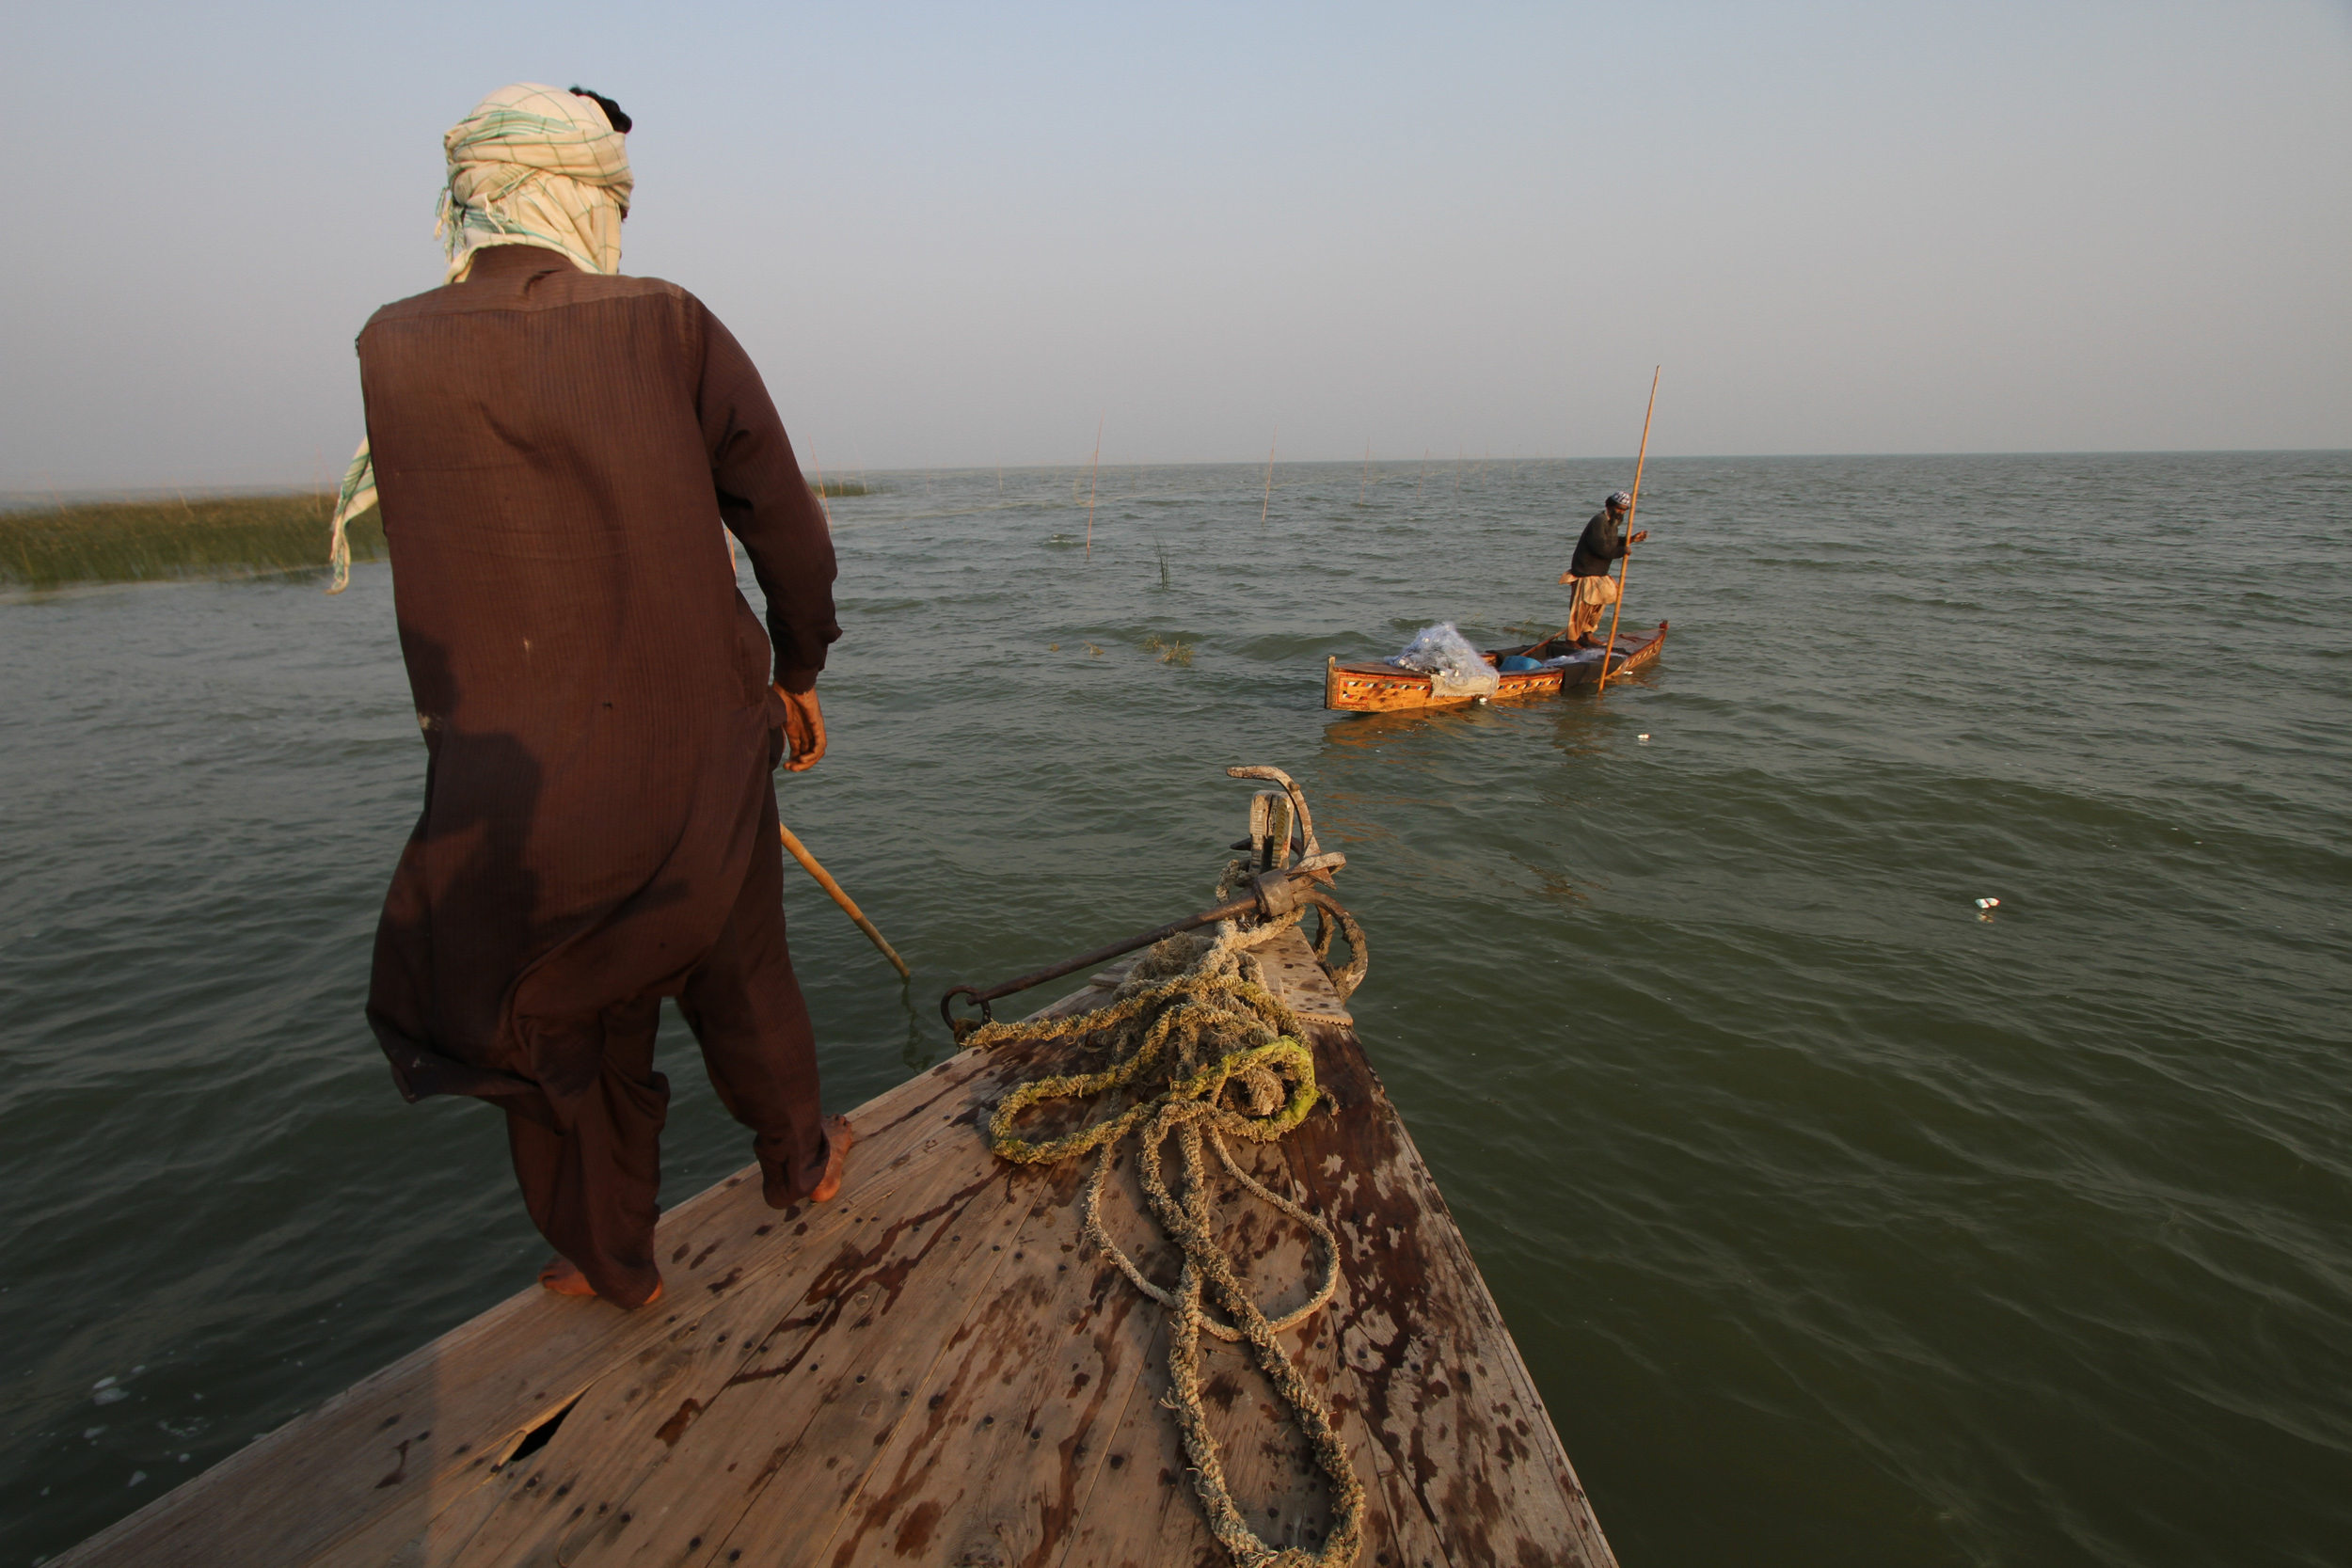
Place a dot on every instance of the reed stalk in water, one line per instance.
(1094, 471)
(819, 468)
(1269, 476)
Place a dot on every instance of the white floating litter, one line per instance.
(1645, 740)
(1988, 903)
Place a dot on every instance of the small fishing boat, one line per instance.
(962, 1360)
(1377, 685)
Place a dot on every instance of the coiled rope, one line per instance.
(1191, 1022)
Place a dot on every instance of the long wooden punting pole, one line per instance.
(1633, 510)
(849, 906)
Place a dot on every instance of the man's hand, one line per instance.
(1639, 537)
(803, 729)
(1565, 575)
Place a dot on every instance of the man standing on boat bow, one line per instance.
(555, 448)
(1588, 569)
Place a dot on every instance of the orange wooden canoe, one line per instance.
(1378, 687)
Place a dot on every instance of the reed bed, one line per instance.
(229, 536)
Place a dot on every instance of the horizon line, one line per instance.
(11, 495)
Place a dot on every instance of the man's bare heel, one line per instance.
(838, 1137)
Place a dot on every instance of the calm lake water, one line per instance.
(1839, 1225)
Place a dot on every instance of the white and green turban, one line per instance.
(531, 165)
(538, 165)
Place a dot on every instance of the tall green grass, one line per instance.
(843, 487)
(229, 536)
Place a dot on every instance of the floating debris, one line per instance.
(1645, 741)
(1987, 903)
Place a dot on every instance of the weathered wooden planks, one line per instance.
(930, 1369)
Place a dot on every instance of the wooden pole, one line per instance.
(1624, 562)
(824, 879)
(1094, 467)
(1269, 476)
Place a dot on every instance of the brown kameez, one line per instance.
(554, 451)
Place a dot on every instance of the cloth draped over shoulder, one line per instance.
(531, 165)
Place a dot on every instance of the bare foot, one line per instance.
(562, 1277)
(838, 1141)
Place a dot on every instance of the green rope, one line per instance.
(1190, 1028)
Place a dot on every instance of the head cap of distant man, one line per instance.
(1620, 501)
(535, 165)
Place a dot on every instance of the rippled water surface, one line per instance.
(1839, 1224)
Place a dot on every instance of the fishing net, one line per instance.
(1455, 668)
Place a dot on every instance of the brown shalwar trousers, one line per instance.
(591, 1186)
(1590, 594)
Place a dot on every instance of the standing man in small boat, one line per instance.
(555, 448)
(1588, 569)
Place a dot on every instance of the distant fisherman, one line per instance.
(555, 448)
(1588, 569)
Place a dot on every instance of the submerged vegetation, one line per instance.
(228, 536)
(1178, 652)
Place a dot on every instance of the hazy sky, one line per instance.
(958, 234)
